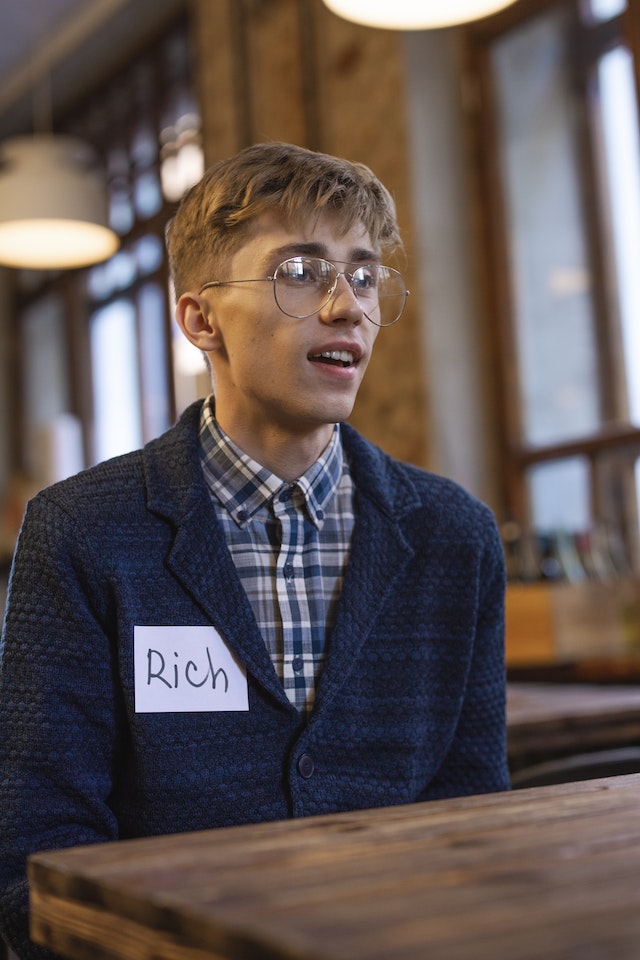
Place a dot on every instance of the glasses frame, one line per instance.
(348, 276)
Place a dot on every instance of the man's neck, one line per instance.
(287, 455)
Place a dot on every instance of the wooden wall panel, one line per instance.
(219, 76)
(274, 74)
(362, 97)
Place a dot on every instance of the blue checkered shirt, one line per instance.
(290, 544)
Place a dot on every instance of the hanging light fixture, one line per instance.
(53, 201)
(414, 14)
(53, 205)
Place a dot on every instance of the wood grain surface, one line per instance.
(550, 873)
(546, 720)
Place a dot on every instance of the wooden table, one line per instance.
(598, 670)
(549, 720)
(549, 873)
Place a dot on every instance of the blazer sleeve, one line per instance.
(476, 761)
(59, 728)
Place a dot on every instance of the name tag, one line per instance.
(186, 670)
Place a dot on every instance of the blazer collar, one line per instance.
(386, 483)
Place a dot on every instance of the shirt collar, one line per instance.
(243, 486)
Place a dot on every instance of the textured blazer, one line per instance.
(410, 706)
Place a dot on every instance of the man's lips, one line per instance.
(340, 358)
(338, 354)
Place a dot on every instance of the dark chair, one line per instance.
(585, 766)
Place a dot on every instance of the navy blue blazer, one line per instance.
(410, 706)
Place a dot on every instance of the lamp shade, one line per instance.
(53, 204)
(414, 14)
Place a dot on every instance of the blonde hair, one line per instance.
(298, 183)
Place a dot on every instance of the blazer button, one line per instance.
(306, 766)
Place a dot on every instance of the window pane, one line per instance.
(116, 387)
(559, 493)
(149, 253)
(182, 156)
(153, 361)
(147, 194)
(622, 151)
(53, 444)
(121, 214)
(112, 276)
(552, 304)
(44, 350)
(606, 9)
(144, 144)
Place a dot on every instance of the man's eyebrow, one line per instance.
(364, 255)
(316, 249)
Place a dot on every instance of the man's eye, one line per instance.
(365, 278)
(308, 274)
(301, 272)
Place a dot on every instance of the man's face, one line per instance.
(271, 371)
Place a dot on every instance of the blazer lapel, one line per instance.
(198, 557)
(369, 580)
(379, 555)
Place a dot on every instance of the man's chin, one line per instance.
(336, 412)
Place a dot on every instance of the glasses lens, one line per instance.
(302, 285)
(381, 291)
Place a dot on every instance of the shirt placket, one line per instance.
(293, 601)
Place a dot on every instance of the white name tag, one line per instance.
(186, 670)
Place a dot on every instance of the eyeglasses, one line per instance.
(304, 285)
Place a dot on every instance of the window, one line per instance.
(558, 128)
(114, 351)
(117, 415)
(53, 440)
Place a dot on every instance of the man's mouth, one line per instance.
(340, 358)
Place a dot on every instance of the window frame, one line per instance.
(614, 438)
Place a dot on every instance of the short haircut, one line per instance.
(299, 183)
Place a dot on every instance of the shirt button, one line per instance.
(306, 766)
(285, 495)
(288, 571)
(320, 514)
(297, 663)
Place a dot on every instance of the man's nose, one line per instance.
(343, 304)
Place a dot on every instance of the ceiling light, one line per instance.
(53, 204)
(414, 14)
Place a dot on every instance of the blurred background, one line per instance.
(511, 147)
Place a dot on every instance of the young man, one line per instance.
(260, 615)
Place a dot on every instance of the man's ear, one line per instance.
(197, 322)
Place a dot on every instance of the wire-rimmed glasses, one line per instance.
(304, 285)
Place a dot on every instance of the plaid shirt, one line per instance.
(290, 544)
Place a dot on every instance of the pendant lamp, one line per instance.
(53, 204)
(414, 14)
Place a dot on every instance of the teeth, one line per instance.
(342, 355)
